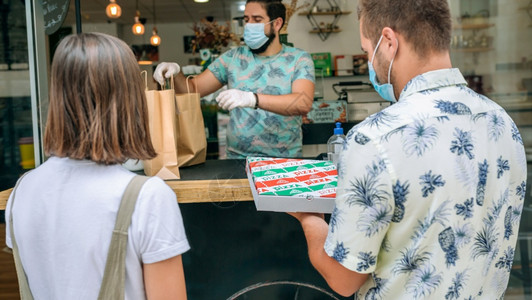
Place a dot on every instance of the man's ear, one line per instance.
(389, 41)
(277, 24)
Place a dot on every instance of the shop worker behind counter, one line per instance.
(270, 86)
(431, 189)
(65, 210)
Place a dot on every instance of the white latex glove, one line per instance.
(232, 98)
(165, 70)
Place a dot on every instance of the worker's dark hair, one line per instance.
(274, 8)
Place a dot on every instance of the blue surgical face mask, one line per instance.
(254, 35)
(384, 90)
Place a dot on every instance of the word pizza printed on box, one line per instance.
(292, 185)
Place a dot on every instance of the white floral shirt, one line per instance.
(430, 193)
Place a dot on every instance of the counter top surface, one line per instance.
(213, 181)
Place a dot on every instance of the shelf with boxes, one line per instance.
(319, 26)
(327, 65)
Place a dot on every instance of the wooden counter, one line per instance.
(234, 246)
(214, 181)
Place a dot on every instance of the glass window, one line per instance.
(491, 45)
(16, 134)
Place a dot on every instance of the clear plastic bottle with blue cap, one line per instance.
(335, 144)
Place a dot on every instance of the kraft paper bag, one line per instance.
(163, 132)
(191, 139)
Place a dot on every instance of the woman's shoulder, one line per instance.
(156, 189)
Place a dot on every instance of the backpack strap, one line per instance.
(113, 282)
(24, 287)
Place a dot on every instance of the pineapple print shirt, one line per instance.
(430, 193)
(256, 132)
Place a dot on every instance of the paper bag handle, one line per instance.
(195, 84)
(172, 82)
(145, 74)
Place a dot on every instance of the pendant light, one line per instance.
(155, 40)
(113, 10)
(138, 27)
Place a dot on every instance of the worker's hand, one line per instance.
(232, 98)
(165, 70)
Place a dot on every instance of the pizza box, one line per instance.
(292, 185)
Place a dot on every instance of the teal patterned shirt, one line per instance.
(430, 194)
(258, 132)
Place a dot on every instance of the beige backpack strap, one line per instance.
(114, 276)
(24, 287)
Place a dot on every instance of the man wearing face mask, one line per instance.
(270, 86)
(431, 189)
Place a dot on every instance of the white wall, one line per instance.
(345, 42)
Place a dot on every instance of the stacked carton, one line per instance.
(281, 184)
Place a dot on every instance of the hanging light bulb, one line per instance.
(113, 10)
(138, 28)
(155, 40)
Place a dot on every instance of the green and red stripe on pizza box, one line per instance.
(293, 177)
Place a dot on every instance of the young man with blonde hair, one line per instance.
(431, 189)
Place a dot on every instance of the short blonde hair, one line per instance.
(97, 105)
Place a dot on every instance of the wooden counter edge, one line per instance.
(193, 191)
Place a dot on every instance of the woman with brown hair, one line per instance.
(65, 209)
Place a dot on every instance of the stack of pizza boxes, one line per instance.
(292, 185)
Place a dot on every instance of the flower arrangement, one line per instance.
(291, 9)
(211, 35)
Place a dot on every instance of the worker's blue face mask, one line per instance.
(254, 35)
(384, 90)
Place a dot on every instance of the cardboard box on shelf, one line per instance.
(292, 185)
(322, 64)
(343, 65)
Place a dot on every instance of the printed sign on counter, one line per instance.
(327, 112)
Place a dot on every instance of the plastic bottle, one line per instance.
(335, 144)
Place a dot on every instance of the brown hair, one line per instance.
(97, 103)
(426, 24)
